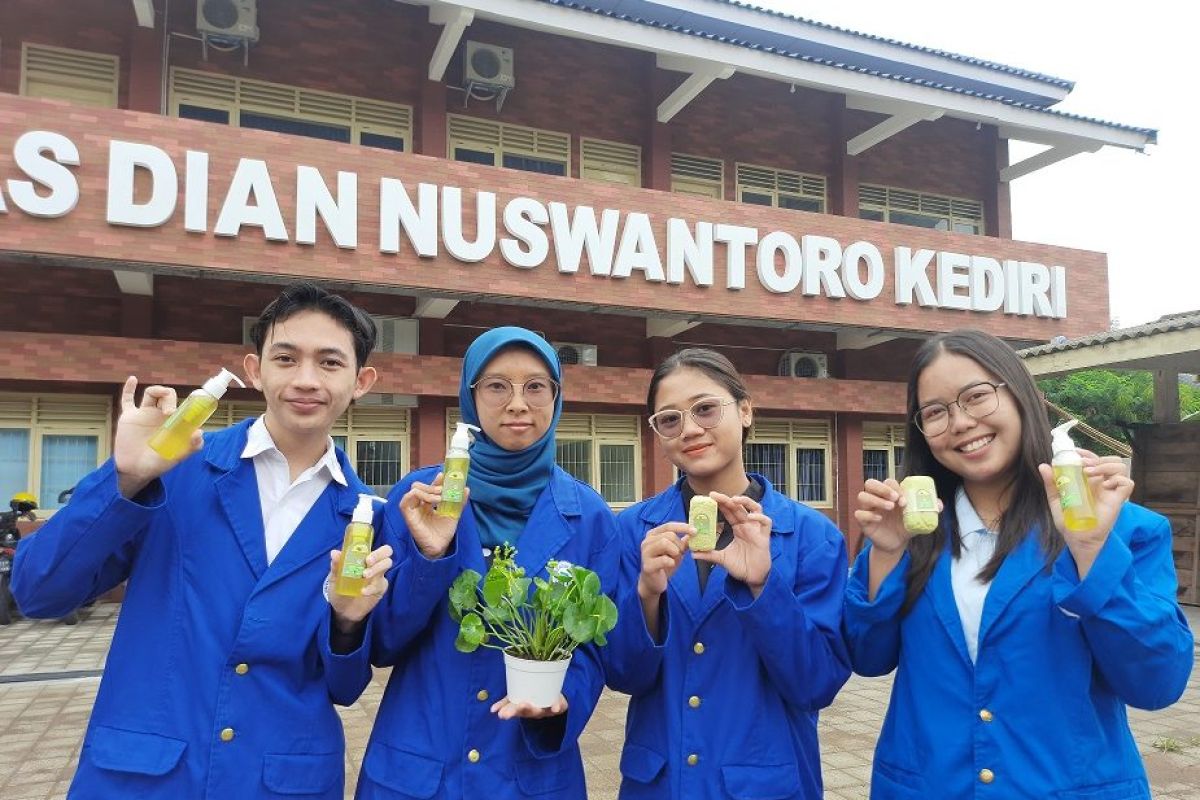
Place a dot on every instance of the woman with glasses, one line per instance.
(1017, 643)
(727, 654)
(444, 727)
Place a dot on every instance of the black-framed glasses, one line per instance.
(496, 390)
(976, 401)
(706, 413)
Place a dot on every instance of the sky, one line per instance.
(1127, 62)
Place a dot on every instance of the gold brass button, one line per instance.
(227, 735)
(986, 775)
(242, 669)
(473, 756)
(694, 701)
(986, 715)
(482, 695)
(698, 648)
(693, 760)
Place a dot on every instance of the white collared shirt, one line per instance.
(286, 502)
(978, 546)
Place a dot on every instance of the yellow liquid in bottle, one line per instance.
(454, 484)
(1079, 510)
(355, 549)
(174, 439)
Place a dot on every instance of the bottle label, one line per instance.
(355, 560)
(452, 487)
(1068, 493)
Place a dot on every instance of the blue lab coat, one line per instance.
(435, 735)
(725, 704)
(220, 682)
(1041, 713)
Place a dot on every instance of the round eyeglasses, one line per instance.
(706, 413)
(496, 390)
(976, 401)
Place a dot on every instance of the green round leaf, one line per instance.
(470, 634)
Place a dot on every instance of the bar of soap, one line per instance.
(920, 504)
(702, 515)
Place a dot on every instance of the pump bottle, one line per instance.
(454, 475)
(173, 440)
(1078, 505)
(360, 535)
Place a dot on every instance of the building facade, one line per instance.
(626, 181)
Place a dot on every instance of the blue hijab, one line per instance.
(505, 484)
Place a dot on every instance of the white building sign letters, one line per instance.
(424, 218)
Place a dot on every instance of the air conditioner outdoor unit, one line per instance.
(575, 353)
(235, 19)
(489, 65)
(807, 365)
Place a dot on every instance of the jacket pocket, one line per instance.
(401, 771)
(544, 775)
(761, 781)
(889, 782)
(641, 764)
(303, 773)
(130, 751)
(1118, 790)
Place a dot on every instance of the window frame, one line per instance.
(954, 214)
(84, 95)
(798, 434)
(95, 419)
(356, 114)
(742, 170)
(459, 135)
(887, 437)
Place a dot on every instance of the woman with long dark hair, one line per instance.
(1017, 642)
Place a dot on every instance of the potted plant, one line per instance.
(537, 631)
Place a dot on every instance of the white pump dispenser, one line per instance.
(174, 439)
(1074, 494)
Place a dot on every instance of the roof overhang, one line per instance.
(907, 102)
(1173, 351)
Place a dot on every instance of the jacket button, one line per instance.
(693, 760)
(694, 701)
(698, 648)
(986, 776)
(242, 669)
(481, 695)
(227, 735)
(986, 715)
(473, 756)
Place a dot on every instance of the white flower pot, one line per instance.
(536, 682)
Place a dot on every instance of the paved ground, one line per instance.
(48, 683)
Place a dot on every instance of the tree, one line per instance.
(1113, 401)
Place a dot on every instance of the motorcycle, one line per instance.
(22, 506)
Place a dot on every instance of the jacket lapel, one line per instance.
(322, 528)
(547, 529)
(1018, 569)
(940, 592)
(237, 488)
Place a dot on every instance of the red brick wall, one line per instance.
(85, 234)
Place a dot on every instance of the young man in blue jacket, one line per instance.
(226, 658)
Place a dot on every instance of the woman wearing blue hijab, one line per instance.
(444, 728)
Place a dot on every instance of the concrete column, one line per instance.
(849, 446)
(997, 205)
(1166, 395)
(843, 187)
(145, 69)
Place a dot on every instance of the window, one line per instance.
(764, 186)
(479, 141)
(60, 74)
(245, 103)
(49, 442)
(699, 176)
(611, 162)
(601, 450)
(886, 204)
(794, 455)
(883, 451)
(375, 438)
